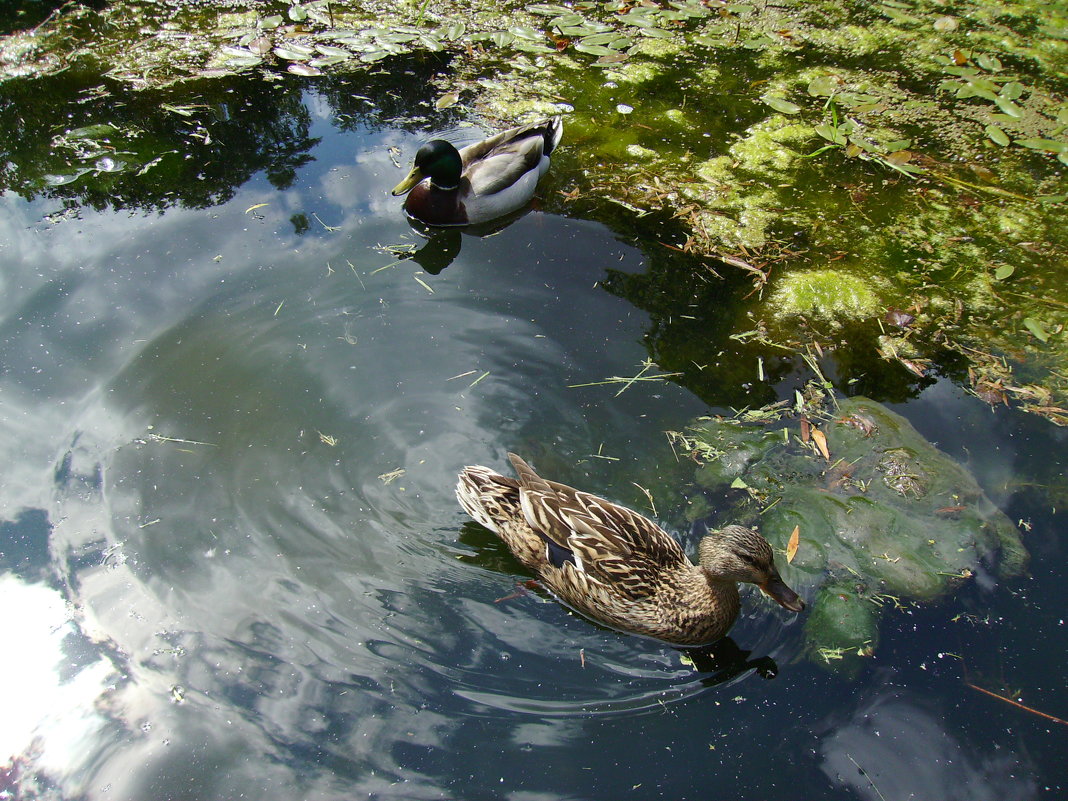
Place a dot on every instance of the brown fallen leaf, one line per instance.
(821, 442)
(791, 546)
(805, 429)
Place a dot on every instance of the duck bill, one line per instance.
(776, 589)
(410, 180)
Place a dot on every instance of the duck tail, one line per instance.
(554, 132)
(490, 498)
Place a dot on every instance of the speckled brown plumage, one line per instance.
(616, 566)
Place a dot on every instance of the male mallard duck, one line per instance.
(482, 181)
(616, 566)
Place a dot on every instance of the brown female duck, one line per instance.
(614, 565)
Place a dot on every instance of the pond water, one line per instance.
(234, 567)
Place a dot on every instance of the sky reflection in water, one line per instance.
(223, 593)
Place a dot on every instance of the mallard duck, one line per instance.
(482, 181)
(614, 565)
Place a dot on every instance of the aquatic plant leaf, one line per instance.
(293, 53)
(781, 105)
(594, 49)
(329, 50)
(791, 546)
(327, 61)
(298, 14)
(304, 70)
(1036, 328)
(454, 31)
(655, 33)
(567, 21)
(502, 38)
(1009, 107)
(431, 43)
(524, 32)
(1012, 90)
(823, 86)
(447, 99)
(532, 47)
(897, 144)
(1048, 145)
(270, 23)
(1004, 271)
(602, 38)
(997, 136)
(547, 9)
(989, 62)
(831, 133)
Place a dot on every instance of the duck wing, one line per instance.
(609, 544)
(498, 162)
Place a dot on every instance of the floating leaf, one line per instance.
(304, 70)
(502, 38)
(547, 10)
(821, 442)
(270, 23)
(1036, 328)
(945, 24)
(567, 21)
(292, 54)
(1049, 145)
(791, 546)
(524, 32)
(1004, 271)
(831, 133)
(594, 49)
(1009, 107)
(328, 50)
(297, 14)
(898, 144)
(989, 63)
(997, 136)
(899, 157)
(431, 43)
(738, 483)
(823, 86)
(454, 31)
(447, 99)
(781, 105)
(1012, 90)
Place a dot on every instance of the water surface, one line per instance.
(234, 565)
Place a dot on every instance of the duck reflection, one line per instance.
(443, 244)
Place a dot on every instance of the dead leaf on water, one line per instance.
(821, 442)
(791, 546)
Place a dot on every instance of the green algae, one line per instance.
(888, 516)
(831, 295)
